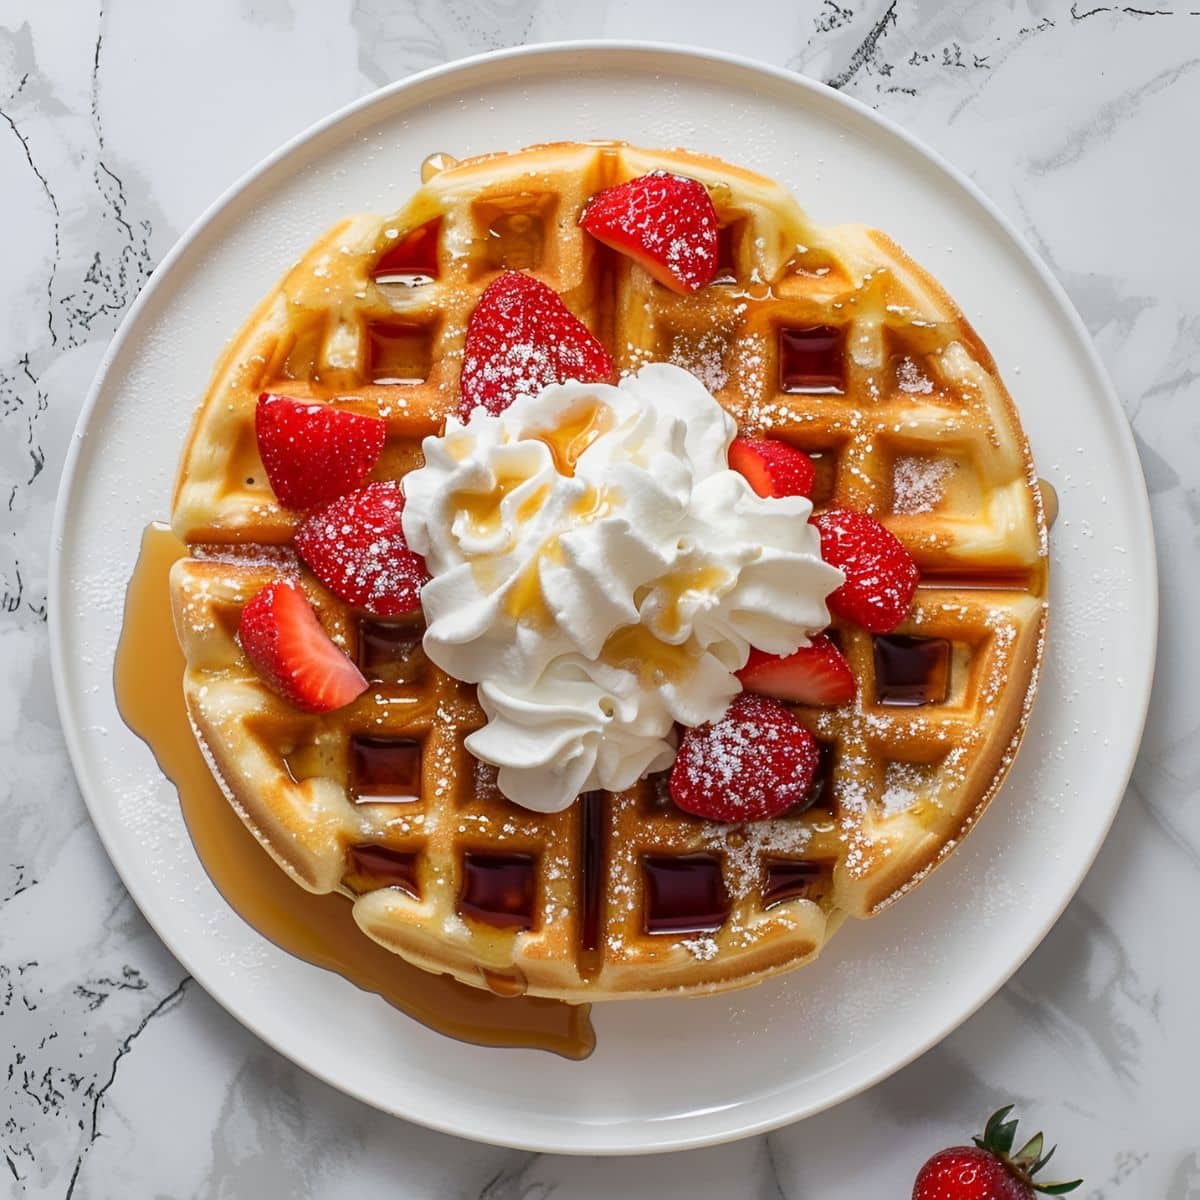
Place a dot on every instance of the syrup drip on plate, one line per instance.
(1049, 502)
(435, 164)
(318, 929)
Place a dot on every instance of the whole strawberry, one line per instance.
(989, 1170)
(757, 761)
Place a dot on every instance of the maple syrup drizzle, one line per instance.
(413, 259)
(685, 893)
(385, 770)
(391, 652)
(592, 882)
(1049, 502)
(381, 866)
(435, 164)
(911, 671)
(569, 440)
(726, 253)
(788, 879)
(499, 889)
(810, 359)
(317, 929)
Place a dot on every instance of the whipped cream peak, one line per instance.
(600, 572)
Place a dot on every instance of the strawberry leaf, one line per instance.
(1031, 1151)
(995, 1121)
(1041, 1162)
(1004, 1137)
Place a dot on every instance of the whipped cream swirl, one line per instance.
(600, 573)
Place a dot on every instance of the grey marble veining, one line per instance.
(119, 122)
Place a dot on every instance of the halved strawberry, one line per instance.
(771, 467)
(282, 637)
(881, 577)
(522, 338)
(312, 452)
(755, 762)
(356, 548)
(666, 223)
(814, 674)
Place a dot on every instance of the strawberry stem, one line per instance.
(1000, 1133)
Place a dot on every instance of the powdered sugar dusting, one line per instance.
(703, 947)
(704, 357)
(745, 847)
(910, 378)
(904, 784)
(918, 483)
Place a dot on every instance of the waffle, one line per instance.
(829, 338)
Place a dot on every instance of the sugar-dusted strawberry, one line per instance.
(755, 762)
(771, 467)
(814, 674)
(314, 453)
(284, 640)
(356, 548)
(881, 577)
(989, 1170)
(664, 222)
(522, 338)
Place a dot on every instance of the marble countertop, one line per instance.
(120, 120)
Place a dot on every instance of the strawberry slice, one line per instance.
(297, 659)
(755, 762)
(771, 467)
(881, 577)
(815, 674)
(522, 338)
(314, 453)
(665, 223)
(356, 548)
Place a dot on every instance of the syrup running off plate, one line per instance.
(317, 929)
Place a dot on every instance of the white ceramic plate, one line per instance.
(671, 1073)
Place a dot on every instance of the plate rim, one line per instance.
(665, 1138)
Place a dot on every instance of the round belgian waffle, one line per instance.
(829, 338)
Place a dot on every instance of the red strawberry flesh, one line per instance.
(296, 658)
(522, 338)
(815, 674)
(771, 467)
(665, 222)
(314, 453)
(356, 548)
(881, 576)
(757, 761)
